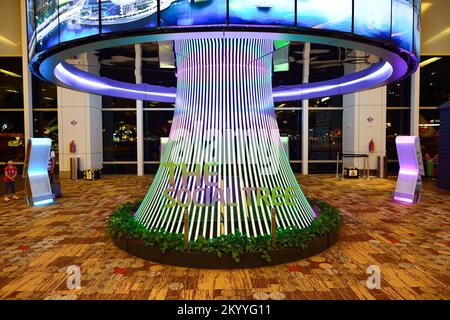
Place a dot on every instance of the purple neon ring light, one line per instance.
(392, 66)
(85, 81)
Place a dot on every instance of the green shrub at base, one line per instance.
(122, 224)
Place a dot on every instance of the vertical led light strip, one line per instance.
(409, 180)
(224, 114)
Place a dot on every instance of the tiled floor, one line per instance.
(409, 243)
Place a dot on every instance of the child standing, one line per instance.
(9, 179)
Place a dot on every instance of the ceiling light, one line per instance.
(425, 6)
(439, 36)
(7, 42)
(9, 73)
(428, 61)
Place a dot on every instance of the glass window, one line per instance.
(290, 126)
(44, 94)
(393, 167)
(11, 136)
(119, 169)
(156, 125)
(325, 102)
(295, 73)
(160, 77)
(325, 134)
(288, 104)
(113, 102)
(322, 73)
(429, 132)
(434, 82)
(45, 125)
(329, 167)
(151, 168)
(117, 63)
(399, 93)
(11, 95)
(397, 123)
(155, 104)
(119, 136)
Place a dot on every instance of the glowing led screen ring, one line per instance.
(388, 29)
(393, 65)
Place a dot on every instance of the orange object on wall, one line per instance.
(73, 146)
(371, 146)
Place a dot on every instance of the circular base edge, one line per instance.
(203, 260)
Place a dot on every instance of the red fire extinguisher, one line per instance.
(371, 146)
(73, 147)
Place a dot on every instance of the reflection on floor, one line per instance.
(410, 244)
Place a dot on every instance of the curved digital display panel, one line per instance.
(325, 14)
(63, 20)
(50, 22)
(373, 18)
(402, 23)
(78, 19)
(46, 15)
(417, 27)
(31, 28)
(122, 15)
(193, 12)
(269, 12)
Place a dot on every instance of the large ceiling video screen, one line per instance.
(78, 19)
(373, 18)
(122, 15)
(402, 23)
(50, 22)
(325, 14)
(417, 27)
(46, 15)
(262, 12)
(31, 27)
(193, 12)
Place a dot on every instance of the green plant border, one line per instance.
(121, 223)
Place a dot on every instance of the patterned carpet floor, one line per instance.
(409, 243)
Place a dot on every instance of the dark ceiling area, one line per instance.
(435, 82)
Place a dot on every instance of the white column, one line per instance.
(415, 103)
(139, 113)
(80, 120)
(305, 109)
(26, 80)
(364, 118)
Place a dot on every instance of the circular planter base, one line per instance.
(211, 261)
